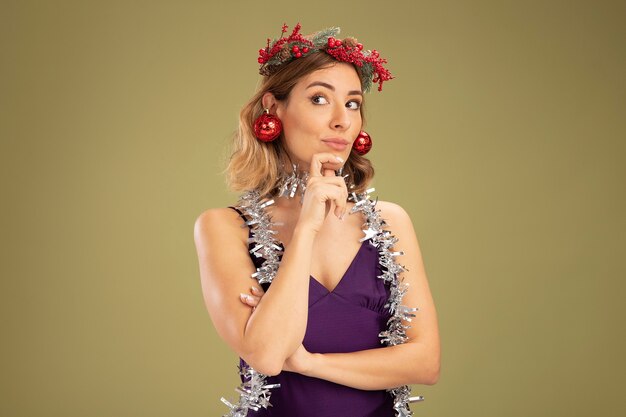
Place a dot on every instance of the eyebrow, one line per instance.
(330, 87)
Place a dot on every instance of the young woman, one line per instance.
(330, 324)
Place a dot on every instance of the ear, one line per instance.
(269, 102)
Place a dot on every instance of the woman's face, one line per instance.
(322, 114)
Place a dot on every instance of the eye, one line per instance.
(353, 104)
(319, 99)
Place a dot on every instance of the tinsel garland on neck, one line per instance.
(254, 392)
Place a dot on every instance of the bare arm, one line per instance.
(414, 362)
(375, 369)
(272, 332)
(276, 327)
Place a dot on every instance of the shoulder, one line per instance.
(398, 221)
(215, 216)
(216, 223)
(393, 213)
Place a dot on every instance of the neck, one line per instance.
(289, 204)
(292, 186)
(292, 183)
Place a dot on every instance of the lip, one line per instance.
(338, 144)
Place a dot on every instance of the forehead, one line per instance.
(342, 76)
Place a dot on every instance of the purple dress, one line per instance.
(347, 319)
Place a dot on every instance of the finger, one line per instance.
(341, 205)
(332, 191)
(257, 291)
(336, 197)
(333, 180)
(327, 161)
(340, 197)
(340, 209)
(248, 299)
(343, 200)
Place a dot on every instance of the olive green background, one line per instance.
(503, 135)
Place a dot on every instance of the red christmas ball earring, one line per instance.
(363, 143)
(267, 127)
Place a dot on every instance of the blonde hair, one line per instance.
(257, 165)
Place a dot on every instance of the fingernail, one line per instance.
(339, 159)
(255, 289)
(245, 297)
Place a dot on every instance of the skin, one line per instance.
(322, 105)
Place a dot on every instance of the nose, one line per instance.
(340, 119)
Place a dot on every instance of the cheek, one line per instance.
(295, 130)
(299, 126)
(357, 124)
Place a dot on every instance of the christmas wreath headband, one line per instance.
(286, 49)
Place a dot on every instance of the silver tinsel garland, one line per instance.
(254, 392)
(289, 184)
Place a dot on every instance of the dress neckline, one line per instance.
(311, 277)
(350, 266)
